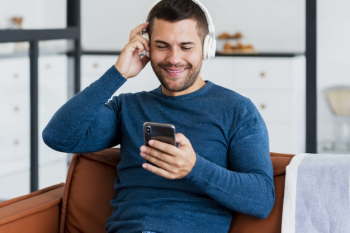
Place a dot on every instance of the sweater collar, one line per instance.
(158, 92)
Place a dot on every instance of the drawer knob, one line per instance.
(263, 106)
(48, 66)
(263, 74)
(16, 76)
(16, 108)
(95, 65)
(16, 142)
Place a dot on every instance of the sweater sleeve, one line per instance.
(247, 185)
(87, 122)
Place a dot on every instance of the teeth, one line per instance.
(175, 71)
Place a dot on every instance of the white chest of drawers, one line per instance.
(15, 122)
(276, 85)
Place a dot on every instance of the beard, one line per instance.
(166, 80)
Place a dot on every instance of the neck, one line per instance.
(198, 84)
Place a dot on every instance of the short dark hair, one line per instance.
(176, 10)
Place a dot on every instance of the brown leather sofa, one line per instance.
(82, 203)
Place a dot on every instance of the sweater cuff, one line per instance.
(109, 82)
(114, 72)
(201, 172)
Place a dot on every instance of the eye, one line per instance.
(161, 47)
(186, 48)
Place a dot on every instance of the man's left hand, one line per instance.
(173, 162)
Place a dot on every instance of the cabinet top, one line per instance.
(218, 54)
(116, 52)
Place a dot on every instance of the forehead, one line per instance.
(184, 30)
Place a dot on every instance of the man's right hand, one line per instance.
(129, 63)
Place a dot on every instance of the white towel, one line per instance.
(316, 197)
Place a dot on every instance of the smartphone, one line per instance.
(160, 132)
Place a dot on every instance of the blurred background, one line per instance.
(260, 54)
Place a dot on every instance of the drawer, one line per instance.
(53, 172)
(14, 143)
(52, 65)
(97, 65)
(53, 72)
(16, 184)
(274, 107)
(53, 95)
(53, 82)
(264, 73)
(14, 74)
(219, 70)
(15, 111)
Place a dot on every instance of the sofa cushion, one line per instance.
(33, 213)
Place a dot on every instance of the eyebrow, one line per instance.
(182, 43)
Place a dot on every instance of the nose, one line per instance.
(174, 56)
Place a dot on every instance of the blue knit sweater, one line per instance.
(233, 171)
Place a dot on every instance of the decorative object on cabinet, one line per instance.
(16, 22)
(232, 44)
(338, 99)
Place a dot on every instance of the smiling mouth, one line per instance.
(175, 71)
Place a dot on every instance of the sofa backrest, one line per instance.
(89, 189)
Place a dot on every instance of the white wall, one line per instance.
(35, 13)
(333, 61)
(270, 25)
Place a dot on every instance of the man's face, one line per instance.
(176, 56)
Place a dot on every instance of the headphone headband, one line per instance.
(211, 27)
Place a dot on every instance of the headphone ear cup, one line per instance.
(209, 48)
(206, 45)
(212, 48)
(146, 36)
(144, 52)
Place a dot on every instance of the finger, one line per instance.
(157, 154)
(162, 146)
(160, 163)
(136, 31)
(158, 171)
(143, 41)
(135, 46)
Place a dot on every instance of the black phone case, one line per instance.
(160, 132)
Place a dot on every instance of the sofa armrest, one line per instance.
(33, 213)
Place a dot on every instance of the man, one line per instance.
(221, 164)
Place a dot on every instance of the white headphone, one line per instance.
(209, 45)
